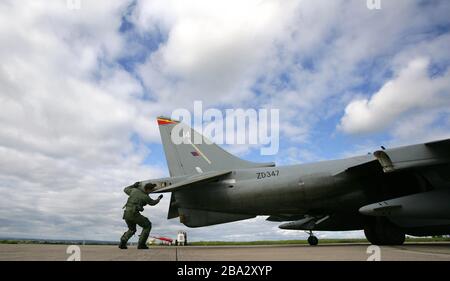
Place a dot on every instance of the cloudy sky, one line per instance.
(80, 90)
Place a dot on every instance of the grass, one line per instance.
(321, 241)
(272, 242)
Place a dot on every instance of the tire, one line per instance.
(393, 235)
(380, 231)
(312, 240)
(371, 234)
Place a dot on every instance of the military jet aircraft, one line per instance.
(387, 193)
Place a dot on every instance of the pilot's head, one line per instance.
(149, 187)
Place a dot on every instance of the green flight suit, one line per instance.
(136, 201)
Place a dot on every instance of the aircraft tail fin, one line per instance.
(191, 157)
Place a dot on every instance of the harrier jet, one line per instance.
(387, 193)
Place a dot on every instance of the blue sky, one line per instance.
(80, 90)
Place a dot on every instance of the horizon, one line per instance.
(81, 87)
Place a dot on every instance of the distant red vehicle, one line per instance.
(164, 239)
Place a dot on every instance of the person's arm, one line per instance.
(152, 202)
(128, 189)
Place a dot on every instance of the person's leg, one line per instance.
(146, 228)
(128, 234)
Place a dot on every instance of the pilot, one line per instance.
(138, 197)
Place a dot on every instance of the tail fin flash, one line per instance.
(189, 158)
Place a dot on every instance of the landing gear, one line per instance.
(380, 231)
(312, 240)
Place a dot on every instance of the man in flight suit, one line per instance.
(138, 197)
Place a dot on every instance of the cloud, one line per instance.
(312, 56)
(69, 112)
(213, 48)
(411, 91)
(79, 90)
(422, 127)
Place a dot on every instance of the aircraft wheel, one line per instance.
(394, 236)
(312, 240)
(380, 231)
(371, 235)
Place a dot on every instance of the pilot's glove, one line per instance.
(160, 197)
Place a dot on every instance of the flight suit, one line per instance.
(137, 199)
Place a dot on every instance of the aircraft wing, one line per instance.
(407, 157)
(195, 179)
(424, 205)
(285, 217)
(414, 156)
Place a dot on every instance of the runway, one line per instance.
(329, 252)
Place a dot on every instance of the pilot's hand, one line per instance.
(160, 197)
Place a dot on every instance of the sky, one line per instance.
(81, 83)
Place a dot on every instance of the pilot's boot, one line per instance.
(124, 239)
(123, 245)
(142, 247)
(143, 238)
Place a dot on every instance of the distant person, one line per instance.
(138, 197)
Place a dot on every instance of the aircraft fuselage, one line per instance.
(307, 188)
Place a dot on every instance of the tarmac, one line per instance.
(326, 252)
